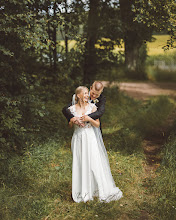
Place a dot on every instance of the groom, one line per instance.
(95, 96)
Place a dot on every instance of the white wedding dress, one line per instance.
(91, 174)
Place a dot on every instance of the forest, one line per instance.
(47, 49)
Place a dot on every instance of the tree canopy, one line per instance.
(37, 63)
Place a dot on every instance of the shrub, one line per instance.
(20, 115)
(168, 58)
(165, 75)
(157, 74)
(153, 115)
(164, 72)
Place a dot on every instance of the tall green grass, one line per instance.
(31, 183)
(118, 121)
(131, 120)
(156, 74)
(165, 184)
(37, 185)
(159, 73)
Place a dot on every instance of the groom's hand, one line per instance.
(85, 118)
(77, 121)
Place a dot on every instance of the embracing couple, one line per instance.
(91, 174)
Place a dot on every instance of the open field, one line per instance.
(154, 47)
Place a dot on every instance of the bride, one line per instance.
(91, 174)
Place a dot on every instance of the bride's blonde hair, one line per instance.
(78, 91)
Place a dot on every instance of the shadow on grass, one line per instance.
(124, 140)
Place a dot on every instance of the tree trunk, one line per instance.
(131, 39)
(131, 53)
(90, 65)
(54, 40)
(49, 35)
(54, 50)
(66, 29)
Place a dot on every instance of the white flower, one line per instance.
(96, 101)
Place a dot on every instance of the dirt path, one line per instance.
(152, 145)
(145, 90)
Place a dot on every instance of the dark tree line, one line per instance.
(36, 66)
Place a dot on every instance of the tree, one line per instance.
(140, 19)
(90, 67)
(159, 15)
(19, 101)
(134, 35)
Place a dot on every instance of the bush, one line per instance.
(153, 115)
(157, 74)
(168, 58)
(165, 72)
(20, 115)
(111, 74)
(54, 124)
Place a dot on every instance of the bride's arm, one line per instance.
(77, 121)
(95, 123)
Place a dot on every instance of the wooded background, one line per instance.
(37, 64)
(47, 49)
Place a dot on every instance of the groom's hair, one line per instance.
(98, 86)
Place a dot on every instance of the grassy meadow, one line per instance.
(37, 184)
(155, 47)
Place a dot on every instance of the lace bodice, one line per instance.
(89, 110)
